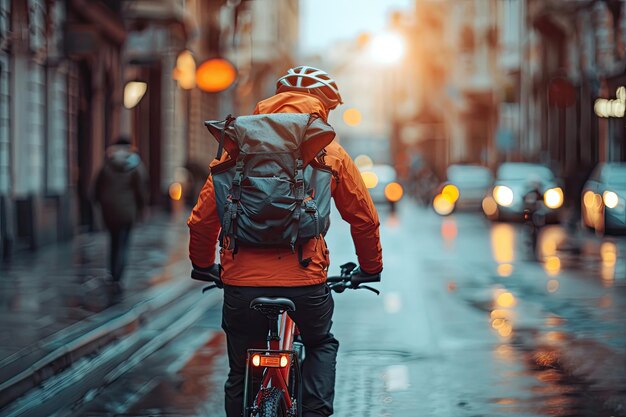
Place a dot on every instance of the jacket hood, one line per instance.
(122, 158)
(292, 102)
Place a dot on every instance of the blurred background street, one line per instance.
(491, 136)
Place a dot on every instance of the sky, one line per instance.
(326, 21)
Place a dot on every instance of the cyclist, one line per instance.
(256, 272)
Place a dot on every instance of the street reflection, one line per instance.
(449, 231)
(608, 255)
(502, 315)
(503, 247)
(550, 239)
(552, 285)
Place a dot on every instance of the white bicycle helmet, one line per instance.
(313, 81)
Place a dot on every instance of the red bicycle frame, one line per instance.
(276, 370)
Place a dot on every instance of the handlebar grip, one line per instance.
(203, 276)
(362, 278)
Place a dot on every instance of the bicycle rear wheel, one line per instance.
(272, 404)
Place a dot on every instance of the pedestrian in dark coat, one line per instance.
(121, 191)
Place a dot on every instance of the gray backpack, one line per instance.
(274, 190)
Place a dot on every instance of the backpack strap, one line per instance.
(303, 262)
(229, 222)
(229, 119)
(299, 189)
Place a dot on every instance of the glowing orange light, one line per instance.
(451, 193)
(506, 330)
(503, 243)
(185, 71)
(506, 299)
(588, 199)
(504, 270)
(608, 253)
(176, 191)
(270, 361)
(352, 117)
(256, 360)
(215, 75)
(552, 265)
(370, 179)
(393, 192)
(284, 360)
(442, 205)
(499, 314)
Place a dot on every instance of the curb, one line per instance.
(86, 337)
(89, 375)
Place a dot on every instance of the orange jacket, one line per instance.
(261, 267)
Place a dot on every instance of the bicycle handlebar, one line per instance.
(351, 277)
(339, 283)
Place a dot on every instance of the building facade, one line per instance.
(64, 66)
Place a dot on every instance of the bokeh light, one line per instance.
(370, 179)
(503, 195)
(363, 162)
(451, 193)
(611, 200)
(506, 299)
(133, 93)
(552, 265)
(504, 270)
(176, 191)
(215, 75)
(442, 205)
(393, 192)
(352, 117)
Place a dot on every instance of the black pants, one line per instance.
(120, 237)
(246, 329)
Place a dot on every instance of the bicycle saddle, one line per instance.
(272, 303)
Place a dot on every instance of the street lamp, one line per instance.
(185, 71)
(215, 75)
(133, 93)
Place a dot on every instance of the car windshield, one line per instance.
(469, 175)
(520, 172)
(617, 175)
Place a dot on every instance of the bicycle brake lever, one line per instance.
(366, 287)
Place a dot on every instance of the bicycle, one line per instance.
(279, 392)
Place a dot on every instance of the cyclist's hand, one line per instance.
(359, 276)
(210, 274)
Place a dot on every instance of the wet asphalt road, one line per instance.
(467, 325)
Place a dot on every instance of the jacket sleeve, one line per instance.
(204, 226)
(356, 207)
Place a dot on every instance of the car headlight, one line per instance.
(451, 193)
(503, 195)
(611, 200)
(553, 198)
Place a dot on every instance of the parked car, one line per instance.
(604, 198)
(514, 181)
(382, 183)
(470, 184)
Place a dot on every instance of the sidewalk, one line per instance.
(56, 305)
